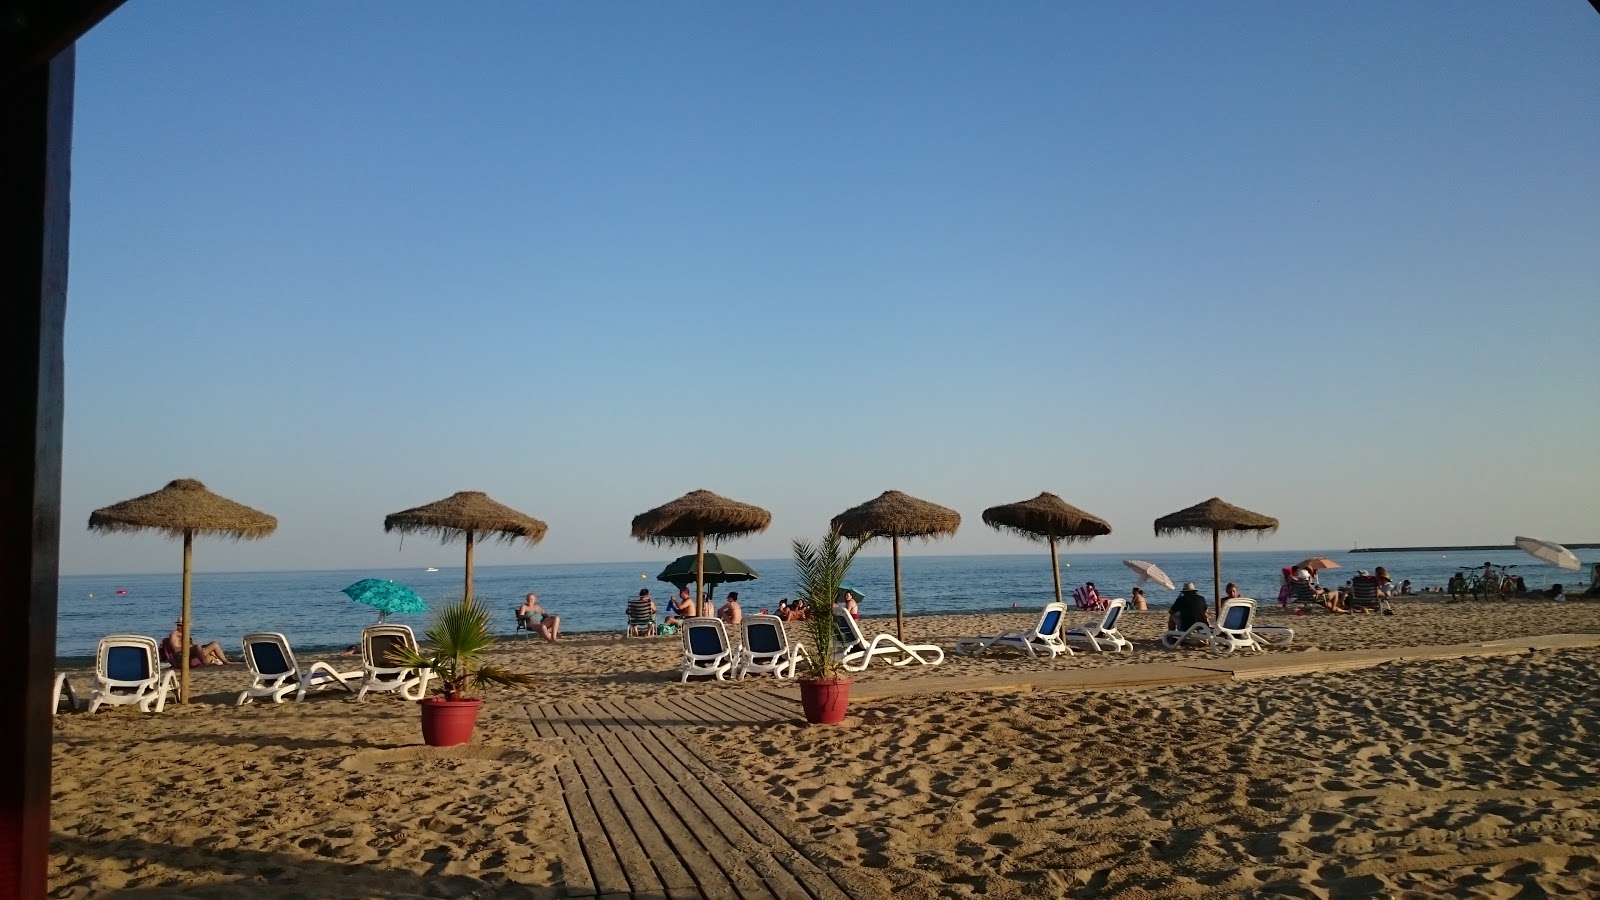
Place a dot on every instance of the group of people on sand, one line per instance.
(642, 610)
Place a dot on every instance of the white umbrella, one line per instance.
(1552, 553)
(1149, 571)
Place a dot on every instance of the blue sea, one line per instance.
(309, 608)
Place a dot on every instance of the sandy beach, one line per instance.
(1471, 777)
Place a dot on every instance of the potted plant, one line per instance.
(455, 643)
(820, 570)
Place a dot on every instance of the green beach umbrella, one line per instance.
(387, 597)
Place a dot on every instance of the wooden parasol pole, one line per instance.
(899, 613)
(1216, 571)
(183, 651)
(1055, 567)
(467, 591)
(699, 572)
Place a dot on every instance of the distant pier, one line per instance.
(1577, 546)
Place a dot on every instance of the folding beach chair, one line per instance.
(764, 647)
(380, 673)
(1364, 593)
(274, 673)
(706, 651)
(854, 652)
(1102, 635)
(127, 670)
(1044, 637)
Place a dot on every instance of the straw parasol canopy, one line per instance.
(183, 509)
(895, 515)
(1214, 517)
(694, 517)
(469, 514)
(1050, 519)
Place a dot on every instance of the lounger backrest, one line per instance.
(1303, 592)
(1050, 621)
(267, 653)
(1236, 615)
(703, 638)
(1109, 623)
(845, 630)
(763, 635)
(125, 662)
(378, 642)
(1364, 589)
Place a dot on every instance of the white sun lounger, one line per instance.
(1266, 635)
(1102, 635)
(63, 687)
(706, 651)
(765, 647)
(1044, 637)
(854, 652)
(128, 670)
(381, 675)
(274, 673)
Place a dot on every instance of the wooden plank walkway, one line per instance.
(650, 820)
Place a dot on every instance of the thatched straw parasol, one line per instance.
(1050, 519)
(183, 509)
(694, 517)
(895, 515)
(1215, 516)
(470, 514)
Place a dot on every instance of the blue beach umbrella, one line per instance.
(387, 597)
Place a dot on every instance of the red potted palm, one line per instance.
(455, 643)
(820, 569)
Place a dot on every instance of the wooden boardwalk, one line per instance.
(649, 820)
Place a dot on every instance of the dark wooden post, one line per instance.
(466, 595)
(35, 181)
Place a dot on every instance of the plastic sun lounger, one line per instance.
(1044, 637)
(706, 651)
(855, 652)
(1102, 635)
(379, 674)
(274, 673)
(127, 670)
(63, 687)
(1233, 629)
(765, 648)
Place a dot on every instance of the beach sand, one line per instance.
(1471, 777)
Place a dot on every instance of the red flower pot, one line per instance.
(825, 700)
(446, 723)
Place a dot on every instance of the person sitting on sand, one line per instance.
(199, 654)
(730, 612)
(1405, 587)
(549, 626)
(1231, 592)
(849, 604)
(783, 609)
(1556, 592)
(1188, 610)
(1138, 599)
(682, 607)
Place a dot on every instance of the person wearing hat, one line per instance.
(1188, 610)
(199, 655)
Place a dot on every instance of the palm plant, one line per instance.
(455, 643)
(820, 570)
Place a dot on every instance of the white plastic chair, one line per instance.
(63, 687)
(854, 652)
(1233, 630)
(379, 674)
(765, 648)
(1102, 635)
(706, 651)
(128, 670)
(1044, 637)
(274, 673)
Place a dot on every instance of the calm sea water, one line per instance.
(308, 607)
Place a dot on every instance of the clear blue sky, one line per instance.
(1336, 263)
